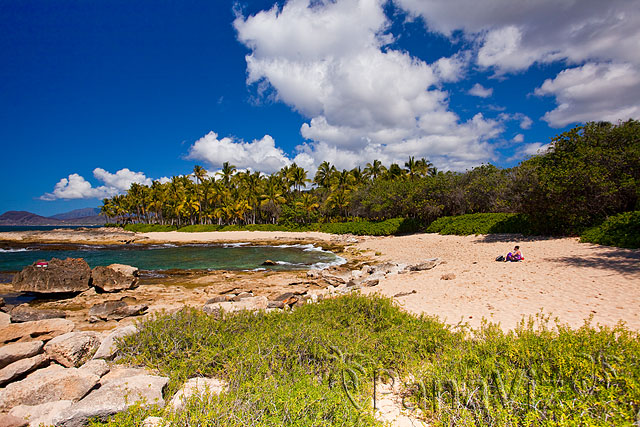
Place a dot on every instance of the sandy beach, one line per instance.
(561, 277)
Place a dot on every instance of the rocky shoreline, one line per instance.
(57, 352)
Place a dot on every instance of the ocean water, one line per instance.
(239, 256)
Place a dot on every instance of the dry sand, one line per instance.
(561, 277)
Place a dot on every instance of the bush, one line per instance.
(481, 223)
(370, 228)
(622, 230)
(147, 228)
(295, 368)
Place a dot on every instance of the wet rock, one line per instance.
(115, 310)
(43, 330)
(196, 386)
(5, 319)
(269, 262)
(72, 349)
(114, 277)
(115, 396)
(21, 367)
(41, 415)
(13, 352)
(48, 385)
(24, 313)
(108, 348)
(8, 420)
(60, 276)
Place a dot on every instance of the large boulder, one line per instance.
(115, 277)
(59, 276)
(21, 367)
(115, 310)
(108, 348)
(42, 330)
(48, 385)
(72, 349)
(24, 313)
(21, 350)
(45, 414)
(113, 397)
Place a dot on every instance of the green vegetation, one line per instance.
(587, 174)
(359, 227)
(481, 223)
(299, 368)
(622, 230)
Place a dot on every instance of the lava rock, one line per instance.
(59, 276)
(114, 277)
(24, 313)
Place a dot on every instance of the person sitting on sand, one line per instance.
(516, 255)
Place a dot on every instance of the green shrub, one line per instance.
(147, 228)
(295, 368)
(622, 230)
(481, 223)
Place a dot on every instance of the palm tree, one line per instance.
(411, 167)
(199, 173)
(226, 172)
(374, 170)
(272, 196)
(324, 174)
(298, 177)
(309, 203)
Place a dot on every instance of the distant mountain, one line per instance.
(77, 213)
(88, 216)
(26, 218)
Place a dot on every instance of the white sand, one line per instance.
(561, 277)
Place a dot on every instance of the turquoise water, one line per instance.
(165, 257)
(7, 228)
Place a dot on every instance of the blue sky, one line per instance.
(96, 95)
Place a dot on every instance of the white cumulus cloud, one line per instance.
(597, 39)
(330, 61)
(260, 155)
(75, 186)
(481, 91)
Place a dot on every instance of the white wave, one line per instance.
(322, 265)
(16, 250)
(235, 245)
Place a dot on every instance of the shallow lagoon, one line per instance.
(237, 256)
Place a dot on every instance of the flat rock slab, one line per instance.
(108, 348)
(43, 330)
(115, 396)
(60, 276)
(8, 420)
(196, 386)
(48, 385)
(96, 367)
(5, 319)
(114, 277)
(13, 352)
(72, 349)
(21, 367)
(115, 310)
(24, 313)
(41, 415)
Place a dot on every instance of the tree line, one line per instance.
(587, 174)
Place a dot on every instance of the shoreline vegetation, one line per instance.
(588, 177)
(316, 366)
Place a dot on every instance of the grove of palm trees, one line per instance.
(588, 174)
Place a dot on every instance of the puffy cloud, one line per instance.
(330, 61)
(261, 155)
(599, 37)
(122, 179)
(481, 91)
(518, 138)
(593, 92)
(77, 187)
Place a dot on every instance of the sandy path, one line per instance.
(562, 277)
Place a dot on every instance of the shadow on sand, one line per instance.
(624, 261)
(506, 238)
